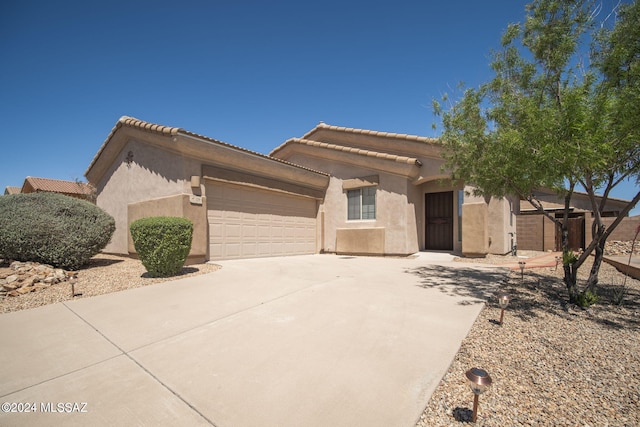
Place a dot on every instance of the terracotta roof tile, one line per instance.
(359, 151)
(169, 130)
(55, 186)
(323, 125)
(11, 190)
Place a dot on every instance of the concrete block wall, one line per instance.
(535, 233)
(625, 230)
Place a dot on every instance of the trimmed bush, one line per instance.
(162, 243)
(52, 228)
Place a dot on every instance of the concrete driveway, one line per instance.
(319, 340)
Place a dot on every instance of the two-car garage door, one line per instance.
(249, 222)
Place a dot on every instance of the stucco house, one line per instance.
(333, 190)
(33, 184)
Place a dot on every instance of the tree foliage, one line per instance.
(561, 112)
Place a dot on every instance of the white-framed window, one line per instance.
(361, 203)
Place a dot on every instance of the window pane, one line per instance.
(369, 203)
(353, 197)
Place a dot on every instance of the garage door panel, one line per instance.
(248, 222)
(249, 231)
(232, 230)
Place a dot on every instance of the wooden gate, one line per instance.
(575, 227)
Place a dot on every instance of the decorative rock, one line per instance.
(617, 248)
(25, 290)
(29, 277)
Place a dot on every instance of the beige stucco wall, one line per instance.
(500, 222)
(475, 229)
(147, 173)
(399, 203)
(395, 214)
(361, 241)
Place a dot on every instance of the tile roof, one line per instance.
(55, 186)
(11, 190)
(408, 137)
(169, 130)
(354, 150)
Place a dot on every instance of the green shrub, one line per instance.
(162, 243)
(569, 257)
(51, 228)
(587, 298)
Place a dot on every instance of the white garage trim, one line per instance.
(249, 222)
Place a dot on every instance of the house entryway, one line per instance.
(438, 209)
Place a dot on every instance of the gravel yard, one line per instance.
(102, 275)
(552, 364)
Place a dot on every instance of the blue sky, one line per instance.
(250, 73)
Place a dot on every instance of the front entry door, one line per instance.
(439, 221)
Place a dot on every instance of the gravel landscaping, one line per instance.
(102, 275)
(552, 364)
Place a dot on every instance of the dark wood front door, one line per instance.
(439, 221)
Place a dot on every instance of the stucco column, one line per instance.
(475, 229)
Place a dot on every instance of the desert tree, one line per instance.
(560, 113)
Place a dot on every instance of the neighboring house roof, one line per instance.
(550, 192)
(580, 202)
(11, 190)
(547, 206)
(33, 185)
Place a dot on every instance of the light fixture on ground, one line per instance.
(72, 276)
(522, 264)
(503, 302)
(479, 380)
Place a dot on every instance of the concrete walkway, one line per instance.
(317, 340)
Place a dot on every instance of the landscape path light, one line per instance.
(503, 302)
(479, 380)
(522, 264)
(72, 276)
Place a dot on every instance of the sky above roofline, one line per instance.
(250, 73)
